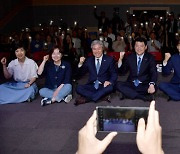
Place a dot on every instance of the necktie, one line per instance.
(97, 66)
(96, 84)
(138, 65)
(136, 82)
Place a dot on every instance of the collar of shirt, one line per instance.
(100, 60)
(140, 57)
(25, 62)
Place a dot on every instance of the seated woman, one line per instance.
(172, 88)
(58, 79)
(24, 72)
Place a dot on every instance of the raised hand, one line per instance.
(121, 55)
(45, 58)
(3, 61)
(167, 56)
(82, 59)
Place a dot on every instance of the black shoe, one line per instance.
(80, 100)
(121, 96)
(107, 98)
(148, 98)
(29, 100)
(169, 99)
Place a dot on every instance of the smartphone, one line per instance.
(120, 119)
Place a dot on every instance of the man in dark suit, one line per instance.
(171, 30)
(141, 82)
(103, 21)
(172, 89)
(102, 75)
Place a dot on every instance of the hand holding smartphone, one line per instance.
(120, 119)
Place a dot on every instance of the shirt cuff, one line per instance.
(79, 65)
(152, 83)
(119, 64)
(164, 63)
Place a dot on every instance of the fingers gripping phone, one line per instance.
(120, 119)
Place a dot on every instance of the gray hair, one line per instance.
(97, 42)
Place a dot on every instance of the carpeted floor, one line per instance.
(28, 128)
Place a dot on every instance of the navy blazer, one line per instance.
(173, 64)
(107, 71)
(148, 70)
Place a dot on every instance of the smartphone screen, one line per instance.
(120, 119)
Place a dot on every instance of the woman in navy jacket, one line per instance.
(58, 79)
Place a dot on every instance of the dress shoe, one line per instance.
(80, 100)
(107, 98)
(148, 98)
(121, 96)
(169, 99)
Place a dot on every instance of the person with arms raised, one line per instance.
(170, 63)
(102, 75)
(24, 73)
(58, 79)
(141, 82)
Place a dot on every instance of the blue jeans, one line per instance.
(48, 93)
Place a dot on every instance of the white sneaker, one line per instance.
(45, 101)
(68, 98)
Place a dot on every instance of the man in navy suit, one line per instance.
(172, 89)
(141, 82)
(102, 75)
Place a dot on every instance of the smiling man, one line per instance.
(102, 75)
(141, 82)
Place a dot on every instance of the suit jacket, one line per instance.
(107, 71)
(174, 25)
(173, 64)
(148, 70)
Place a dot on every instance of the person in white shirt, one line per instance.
(111, 35)
(24, 72)
(119, 45)
(153, 44)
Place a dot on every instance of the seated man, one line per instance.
(172, 89)
(142, 78)
(102, 75)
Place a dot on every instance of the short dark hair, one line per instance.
(141, 39)
(19, 46)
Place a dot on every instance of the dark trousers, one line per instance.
(171, 89)
(93, 94)
(130, 91)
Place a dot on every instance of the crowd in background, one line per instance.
(162, 33)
